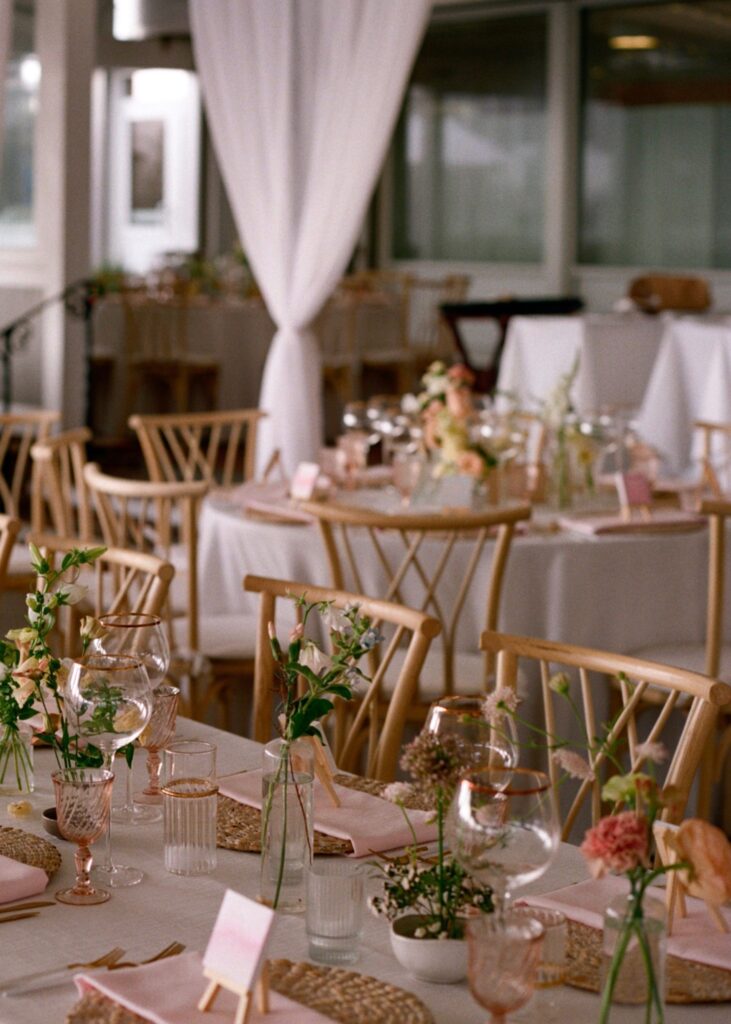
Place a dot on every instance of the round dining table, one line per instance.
(166, 907)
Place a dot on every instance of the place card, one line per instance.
(234, 957)
(634, 490)
(304, 481)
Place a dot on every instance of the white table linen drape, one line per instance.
(301, 98)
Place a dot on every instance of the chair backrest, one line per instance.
(160, 518)
(427, 561)
(656, 292)
(425, 327)
(60, 502)
(636, 722)
(219, 447)
(18, 433)
(718, 511)
(118, 581)
(715, 455)
(9, 529)
(400, 626)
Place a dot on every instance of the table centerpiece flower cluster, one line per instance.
(308, 682)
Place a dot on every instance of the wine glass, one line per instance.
(503, 827)
(503, 957)
(110, 701)
(157, 734)
(407, 468)
(144, 636)
(83, 799)
(482, 742)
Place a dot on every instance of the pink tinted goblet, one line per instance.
(83, 800)
(503, 957)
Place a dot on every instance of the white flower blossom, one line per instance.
(573, 764)
(500, 701)
(312, 657)
(651, 750)
(397, 792)
(71, 593)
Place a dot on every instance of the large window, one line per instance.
(22, 83)
(470, 147)
(656, 153)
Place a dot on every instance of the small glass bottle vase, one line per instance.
(16, 759)
(286, 824)
(633, 959)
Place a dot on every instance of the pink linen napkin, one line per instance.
(167, 992)
(371, 823)
(17, 881)
(663, 521)
(694, 937)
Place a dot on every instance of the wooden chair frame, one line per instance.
(218, 447)
(635, 676)
(337, 521)
(383, 737)
(24, 428)
(10, 527)
(60, 501)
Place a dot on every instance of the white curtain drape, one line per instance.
(301, 98)
(6, 27)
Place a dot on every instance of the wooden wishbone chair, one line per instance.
(430, 562)
(591, 691)
(9, 528)
(381, 736)
(219, 447)
(60, 502)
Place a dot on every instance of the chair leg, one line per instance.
(706, 779)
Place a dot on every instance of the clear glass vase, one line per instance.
(16, 759)
(633, 958)
(286, 824)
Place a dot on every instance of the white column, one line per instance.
(562, 95)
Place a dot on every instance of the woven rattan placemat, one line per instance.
(686, 981)
(29, 849)
(238, 826)
(343, 996)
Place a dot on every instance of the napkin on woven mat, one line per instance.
(167, 992)
(17, 881)
(371, 823)
(663, 521)
(694, 937)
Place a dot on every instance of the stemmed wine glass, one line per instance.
(482, 742)
(154, 737)
(110, 701)
(503, 827)
(503, 959)
(143, 636)
(83, 798)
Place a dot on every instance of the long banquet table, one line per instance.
(166, 908)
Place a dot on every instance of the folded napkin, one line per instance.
(18, 881)
(663, 521)
(265, 500)
(371, 823)
(167, 992)
(694, 937)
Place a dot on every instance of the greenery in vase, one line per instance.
(437, 888)
(33, 678)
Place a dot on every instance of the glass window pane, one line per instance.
(22, 84)
(656, 155)
(470, 146)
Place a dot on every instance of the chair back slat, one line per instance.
(18, 433)
(60, 502)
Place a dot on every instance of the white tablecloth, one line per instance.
(691, 380)
(166, 908)
(616, 354)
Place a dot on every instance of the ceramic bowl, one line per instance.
(50, 824)
(443, 961)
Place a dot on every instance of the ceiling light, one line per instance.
(634, 42)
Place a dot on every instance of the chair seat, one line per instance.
(19, 564)
(468, 674)
(220, 637)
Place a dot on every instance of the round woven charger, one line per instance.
(339, 995)
(686, 981)
(29, 849)
(238, 827)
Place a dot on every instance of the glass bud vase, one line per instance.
(286, 823)
(16, 759)
(633, 959)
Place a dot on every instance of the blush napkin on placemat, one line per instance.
(694, 937)
(167, 992)
(18, 881)
(662, 521)
(371, 823)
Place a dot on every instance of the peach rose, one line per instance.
(708, 851)
(617, 843)
(470, 462)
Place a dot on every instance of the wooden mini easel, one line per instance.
(323, 771)
(243, 1010)
(676, 890)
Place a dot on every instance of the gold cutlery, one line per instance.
(19, 917)
(105, 960)
(11, 907)
(173, 949)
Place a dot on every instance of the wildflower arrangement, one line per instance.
(437, 889)
(32, 679)
(446, 408)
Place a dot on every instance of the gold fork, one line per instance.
(173, 949)
(59, 976)
(105, 960)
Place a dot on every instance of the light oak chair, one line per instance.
(60, 502)
(219, 447)
(162, 518)
(9, 528)
(630, 726)
(715, 454)
(119, 580)
(369, 738)
(430, 562)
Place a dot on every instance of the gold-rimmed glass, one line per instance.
(156, 735)
(83, 799)
(482, 742)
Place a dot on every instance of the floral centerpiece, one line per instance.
(435, 888)
(288, 760)
(32, 679)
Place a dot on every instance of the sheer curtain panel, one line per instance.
(301, 97)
